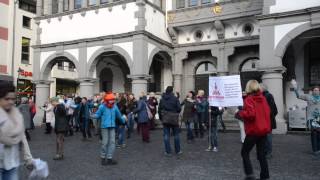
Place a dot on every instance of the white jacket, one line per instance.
(49, 114)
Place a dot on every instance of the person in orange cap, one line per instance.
(108, 112)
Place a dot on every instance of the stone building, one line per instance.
(146, 45)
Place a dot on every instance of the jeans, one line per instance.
(60, 140)
(130, 123)
(260, 142)
(214, 136)
(11, 174)
(121, 134)
(315, 140)
(269, 144)
(198, 125)
(166, 138)
(108, 143)
(85, 128)
(189, 130)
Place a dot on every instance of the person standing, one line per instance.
(213, 143)
(273, 114)
(313, 115)
(152, 104)
(12, 136)
(189, 114)
(169, 109)
(50, 120)
(33, 110)
(202, 106)
(61, 126)
(131, 105)
(70, 111)
(84, 116)
(122, 105)
(24, 109)
(256, 117)
(143, 119)
(108, 112)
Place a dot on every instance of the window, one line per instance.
(205, 1)
(104, 1)
(206, 68)
(180, 4)
(71, 67)
(65, 5)
(25, 50)
(29, 6)
(77, 4)
(60, 65)
(92, 2)
(193, 2)
(26, 22)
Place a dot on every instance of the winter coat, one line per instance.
(85, 110)
(202, 105)
(313, 109)
(152, 104)
(49, 114)
(141, 110)
(131, 105)
(108, 116)
(122, 105)
(11, 137)
(26, 114)
(256, 115)
(170, 103)
(273, 108)
(69, 105)
(61, 122)
(188, 109)
(215, 112)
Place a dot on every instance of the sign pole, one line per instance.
(209, 115)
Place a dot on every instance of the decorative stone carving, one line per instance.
(220, 29)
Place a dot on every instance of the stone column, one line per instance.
(71, 5)
(139, 84)
(86, 87)
(49, 5)
(273, 80)
(186, 4)
(42, 95)
(178, 70)
(222, 54)
(60, 6)
(39, 8)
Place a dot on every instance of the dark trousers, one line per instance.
(247, 146)
(48, 128)
(315, 140)
(85, 128)
(59, 143)
(26, 132)
(198, 125)
(144, 127)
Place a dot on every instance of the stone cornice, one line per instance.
(289, 13)
(101, 38)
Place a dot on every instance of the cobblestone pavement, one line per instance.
(291, 160)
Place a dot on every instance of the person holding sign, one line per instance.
(256, 117)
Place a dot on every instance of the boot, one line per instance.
(111, 162)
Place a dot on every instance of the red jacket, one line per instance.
(256, 115)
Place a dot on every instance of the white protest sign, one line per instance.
(225, 91)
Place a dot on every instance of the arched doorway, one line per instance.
(161, 72)
(202, 74)
(112, 70)
(249, 70)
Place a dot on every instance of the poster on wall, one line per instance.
(225, 91)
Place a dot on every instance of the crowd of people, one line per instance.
(113, 117)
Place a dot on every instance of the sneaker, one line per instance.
(179, 153)
(215, 149)
(58, 157)
(167, 154)
(250, 177)
(209, 149)
(124, 145)
(111, 162)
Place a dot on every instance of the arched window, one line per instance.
(206, 68)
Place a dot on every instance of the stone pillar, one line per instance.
(39, 8)
(273, 80)
(42, 95)
(86, 87)
(71, 5)
(60, 6)
(222, 54)
(178, 70)
(186, 4)
(139, 84)
(49, 5)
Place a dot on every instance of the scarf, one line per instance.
(316, 99)
(12, 130)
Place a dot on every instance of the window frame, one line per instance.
(27, 53)
(23, 22)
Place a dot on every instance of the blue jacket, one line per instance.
(142, 110)
(108, 116)
(85, 110)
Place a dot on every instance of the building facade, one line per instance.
(140, 45)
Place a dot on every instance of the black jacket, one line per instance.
(169, 103)
(61, 122)
(273, 108)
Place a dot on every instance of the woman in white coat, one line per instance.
(12, 136)
(50, 119)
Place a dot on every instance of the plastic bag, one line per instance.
(40, 171)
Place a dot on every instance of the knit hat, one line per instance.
(109, 99)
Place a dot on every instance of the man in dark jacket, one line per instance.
(170, 103)
(273, 114)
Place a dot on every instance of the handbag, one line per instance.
(150, 115)
(170, 118)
